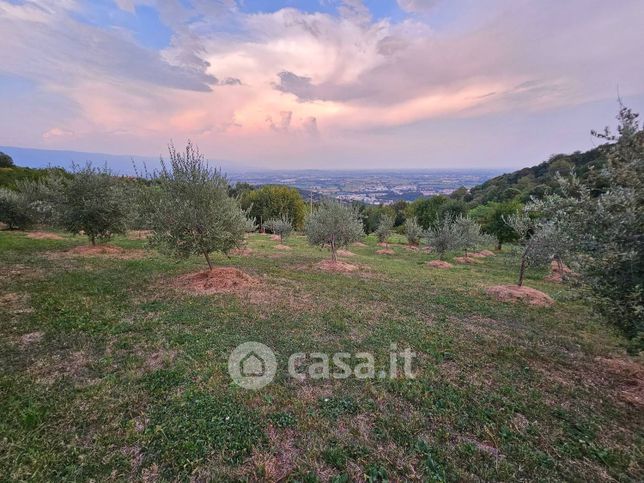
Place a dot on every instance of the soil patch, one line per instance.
(439, 264)
(217, 280)
(241, 252)
(275, 238)
(281, 247)
(32, 337)
(386, 251)
(558, 273)
(628, 376)
(514, 293)
(465, 260)
(487, 253)
(346, 253)
(359, 244)
(337, 266)
(476, 255)
(44, 235)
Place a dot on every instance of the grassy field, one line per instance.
(109, 373)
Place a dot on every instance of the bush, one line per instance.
(384, 227)
(14, 210)
(413, 231)
(92, 202)
(270, 202)
(281, 226)
(491, 218)
(192, 213)
(335, 225)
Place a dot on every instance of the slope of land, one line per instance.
(108, 371)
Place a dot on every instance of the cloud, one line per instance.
(417, 6)
(289, 85)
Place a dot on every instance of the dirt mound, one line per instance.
(476, 255)
(106, 250)
(346, 253)
(558, 273)
(275, 238)
(281, 247)
(43, 235)
(241, 252)
(465, 260)
(338, 266)
(487, 253)
(412, 248)
(514, 293)
(628, 376)
(386, 251)
(439, 264)
(359, 244)
(383, 244)
(217, 280)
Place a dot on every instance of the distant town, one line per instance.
(371, 187)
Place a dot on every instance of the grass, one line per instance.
(109, 374)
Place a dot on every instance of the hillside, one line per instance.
(536, 180)
(113, 371)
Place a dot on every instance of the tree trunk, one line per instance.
(498, 245)
(205, 254)
(522, 270)
(93, 240)
(334, 256)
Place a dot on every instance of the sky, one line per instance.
(326, 84)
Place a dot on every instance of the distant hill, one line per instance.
(537, 180)
(119, 163)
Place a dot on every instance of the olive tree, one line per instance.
(443, 236)
(540, 241)
(469, 234)
(335, 225)
(606, 228)
(281, 226)
(193, 213)
(92, 202)
(413, 231)
(385, 226)
(14, 210)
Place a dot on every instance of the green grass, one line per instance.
(124, 378)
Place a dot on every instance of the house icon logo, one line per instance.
(252, 365)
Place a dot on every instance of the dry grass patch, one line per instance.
(514, 293)
(386, 251)
(439, 264)
(559, 272)
(466, 260)
(629, 378)
(44, 235)
(282, 247)
(336, 266)
(104, 250)
(31, 338)
(139, 234)
(345, 253)
(242, 252)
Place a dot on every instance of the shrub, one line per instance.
(413, 231)
(384, 228)
(335, 225)
(92, 202)
(491, 216)
(270, 202)
(193, 213)
(281, 226)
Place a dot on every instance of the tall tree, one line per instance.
(335, 225)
